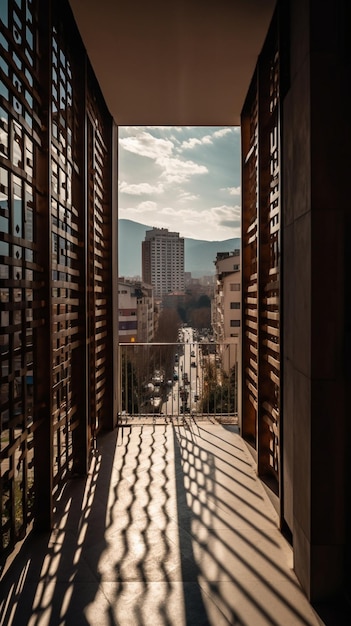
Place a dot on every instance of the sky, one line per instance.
(184, 178)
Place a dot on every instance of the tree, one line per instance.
(200, 318)
(220, 390)
(169, 322)
(204, 302)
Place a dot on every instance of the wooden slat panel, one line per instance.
(260, 241)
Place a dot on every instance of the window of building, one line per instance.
(234, 287)
(235, 305)
(235, 323)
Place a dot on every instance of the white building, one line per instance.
(145, 312)
(127, 312)
(135, 312)
(226, 307)
(163, 261)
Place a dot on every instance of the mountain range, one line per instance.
(199, 255)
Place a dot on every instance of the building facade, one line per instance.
(226, 308)
(146, 313)
(127, 312)
(135, 312)
(226, 311)
(163, 261)
(58, 245)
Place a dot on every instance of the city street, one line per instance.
(186, 391)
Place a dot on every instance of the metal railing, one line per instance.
(169, 380)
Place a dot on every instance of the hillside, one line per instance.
(199, 254)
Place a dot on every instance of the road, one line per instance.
(184, 395)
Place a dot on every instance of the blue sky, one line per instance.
(186, 179)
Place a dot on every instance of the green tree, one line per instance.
(219, 391)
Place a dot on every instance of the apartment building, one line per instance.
(146, 313)
(163, 261)
(135, 312)
(226, 307)
(127, 312)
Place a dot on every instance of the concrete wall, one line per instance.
(316, 209)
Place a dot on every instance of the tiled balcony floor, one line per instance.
(171, 528)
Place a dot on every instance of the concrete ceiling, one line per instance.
(174, 62)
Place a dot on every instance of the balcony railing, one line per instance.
(172, 380)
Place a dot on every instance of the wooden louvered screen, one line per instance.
(250, 262)
(269, 277)
(100, 262)
(67, 246)
(261, 229)
(56, 242)
(20, 272)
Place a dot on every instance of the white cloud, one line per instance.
(127, 129)
(174, 170)
(194, 141)
(216, 223)
(186, 196)
(168, 190)
(221, 222)
(142, 214)
(233, 191)
(191, 143)
(206, 139)
(226, 213)
(140, 189)
(172, 128)
(178, 171)
(222, 132)
(148, 205)
(146, 145)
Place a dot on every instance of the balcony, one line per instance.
(166, 381)
(172, 527)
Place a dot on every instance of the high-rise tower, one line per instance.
(163, 261)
